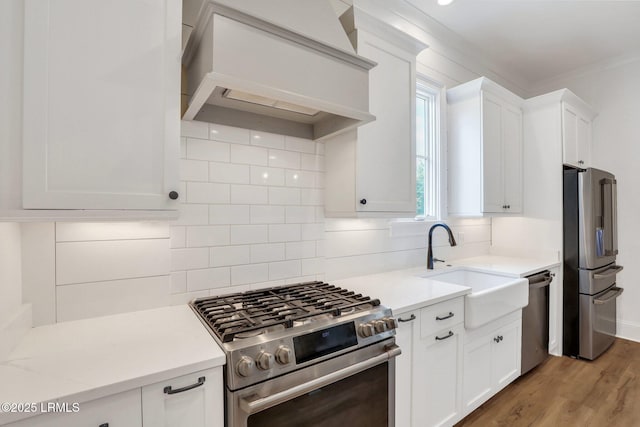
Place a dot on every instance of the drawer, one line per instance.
(440, 316)
(118, 410)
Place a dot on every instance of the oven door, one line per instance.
(355, 389)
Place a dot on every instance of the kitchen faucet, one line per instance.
(452, 242)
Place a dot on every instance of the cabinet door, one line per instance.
(200, 406)
(437, 374)
(492, 155)
(119, 410)
(505, 363)
(583, 138)
(405, 333)
(512, 160)
(576, 137)
(101, 104)
(385, 169)
(477, 378)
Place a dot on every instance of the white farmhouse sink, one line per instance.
(492, 296)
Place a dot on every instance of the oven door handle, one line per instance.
(262, 403)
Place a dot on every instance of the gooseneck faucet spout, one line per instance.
(452, 242)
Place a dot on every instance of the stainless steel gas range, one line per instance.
(309, 354)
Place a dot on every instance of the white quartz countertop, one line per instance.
(88, 359)
(409, 289)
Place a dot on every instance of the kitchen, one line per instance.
(255, 208)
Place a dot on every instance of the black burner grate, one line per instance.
(250, 313)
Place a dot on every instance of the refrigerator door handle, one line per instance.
(616, 293)
(609, 217)
(611, 271)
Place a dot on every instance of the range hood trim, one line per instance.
(348, 117)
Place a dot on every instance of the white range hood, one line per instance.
(249, 65)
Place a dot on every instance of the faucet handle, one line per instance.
(438, 260)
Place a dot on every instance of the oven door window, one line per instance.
(361, 400)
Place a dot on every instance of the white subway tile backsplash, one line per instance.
(284, 269)
(284, 196)
(185, 298)
(249, 194)
(284, 159)
(81, 262)
(83, 231)
(251, 273)
(298, 250)
(312, 266)
(284, 232)
(249, 155)
(229, 173)
(85, 300)
(192, 129)
(320, 148)
(264, 285)
(178, 282)
(207, 235)
(198, 280)
(320, 176)
(312, 162)
(300, 214)
(267, 214)
(192, 214)
(269, 140)
(262, 175)
(312, 197)
(320, 248)
(300, 144)
(297, 178)
(312, 231)
(178, 236)
(267, 252)
(229, 214)
(203, 149)
(189, 258)
(207, 192)
(228, 134)
(230, 255)
(194, 170)
(248, 234)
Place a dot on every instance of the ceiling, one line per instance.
(542, 39)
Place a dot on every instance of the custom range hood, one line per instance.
(281, 66)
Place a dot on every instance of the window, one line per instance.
(427, 150)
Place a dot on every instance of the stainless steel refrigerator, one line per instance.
(590, 269)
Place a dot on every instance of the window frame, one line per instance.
(437, 146)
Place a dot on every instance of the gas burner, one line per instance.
(259, 312)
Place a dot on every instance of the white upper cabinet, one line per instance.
(371, 171)
(484, 149)
(101, 104)
(576, 134)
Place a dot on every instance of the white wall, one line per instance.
(10, 270)
(612, 89)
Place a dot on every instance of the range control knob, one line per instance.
(283, 355)
(265, 361)
(365, 330)
(380, 325)
(391, 322)
(245, 366)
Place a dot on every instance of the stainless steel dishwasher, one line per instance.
(535, 322)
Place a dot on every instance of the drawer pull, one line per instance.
(104, 425)
(449, 316)
(498, 338)
(169, 390)
(410, 319)
(445, 337)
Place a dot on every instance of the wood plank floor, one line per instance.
(569, 392)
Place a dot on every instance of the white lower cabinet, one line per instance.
(407, 323)
(428, 372)
(194, 400)
(118, 410)
(491, 359)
